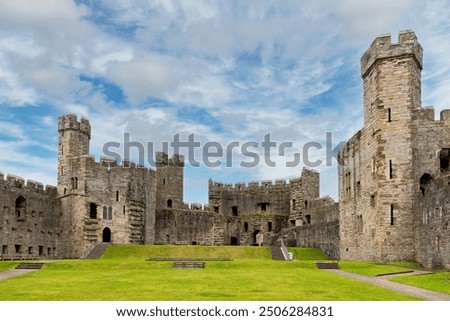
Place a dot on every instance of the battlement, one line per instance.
(428, 114)
(31, 185)
(383, 48)
(162, 159)
(250, 186)
(70, 122)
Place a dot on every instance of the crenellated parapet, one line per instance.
(250, 186)
(17, 182)
(70, 122)
(162, 159)
(382, 48)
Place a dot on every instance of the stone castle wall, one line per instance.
(29, 221)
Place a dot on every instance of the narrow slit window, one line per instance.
(389, 115)
(392, 214)
(390, 169)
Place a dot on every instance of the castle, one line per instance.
(394, 189)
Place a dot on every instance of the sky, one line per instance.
(228, 74)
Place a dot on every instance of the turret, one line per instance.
(74, 137)
(169, 181)
(391, 76)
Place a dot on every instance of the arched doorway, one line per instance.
(234, 240)
(255, 238)
(106, 238)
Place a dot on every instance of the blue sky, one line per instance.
(226, 71)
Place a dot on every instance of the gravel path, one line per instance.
(383, 281)
(12, 273)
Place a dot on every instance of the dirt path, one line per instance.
(13, 273)
(383, 281)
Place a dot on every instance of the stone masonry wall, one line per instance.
(29, 220)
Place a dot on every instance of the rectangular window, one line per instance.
(392, 214)
(269, 226)
(389, 115)
(390, 169)
(373, 200)
(234, 211)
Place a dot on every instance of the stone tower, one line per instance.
(376, 183)
(74, 137)
(73, 145)
(169, 181)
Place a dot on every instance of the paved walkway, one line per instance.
(383, 281)
(12, 273)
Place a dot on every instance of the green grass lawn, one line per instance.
(373, 269)
(123, 274)
(307, 254)
(7, 265)
(439, 281)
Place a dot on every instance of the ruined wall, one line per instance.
(29, 220)
(320, 230)
(254, 197)
(304, 189)
(253, 212)
(433, 232)
(431, 188)
(185, 227)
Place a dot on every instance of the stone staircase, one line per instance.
(277, 253)
(29, 266)
(97, 251)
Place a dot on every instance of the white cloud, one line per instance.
(248, 68)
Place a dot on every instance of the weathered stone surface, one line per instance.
(380, 192)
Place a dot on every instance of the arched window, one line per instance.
(21, 207)
(105, 213)
(110, 210)
(169, 203)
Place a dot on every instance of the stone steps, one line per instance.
(97, 251)
(277, 253)
(29, 266)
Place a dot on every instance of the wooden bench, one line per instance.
(189, 265)
(30, 266)
(327, 265)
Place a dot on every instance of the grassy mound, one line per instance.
(307, 254)
(188, 251)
